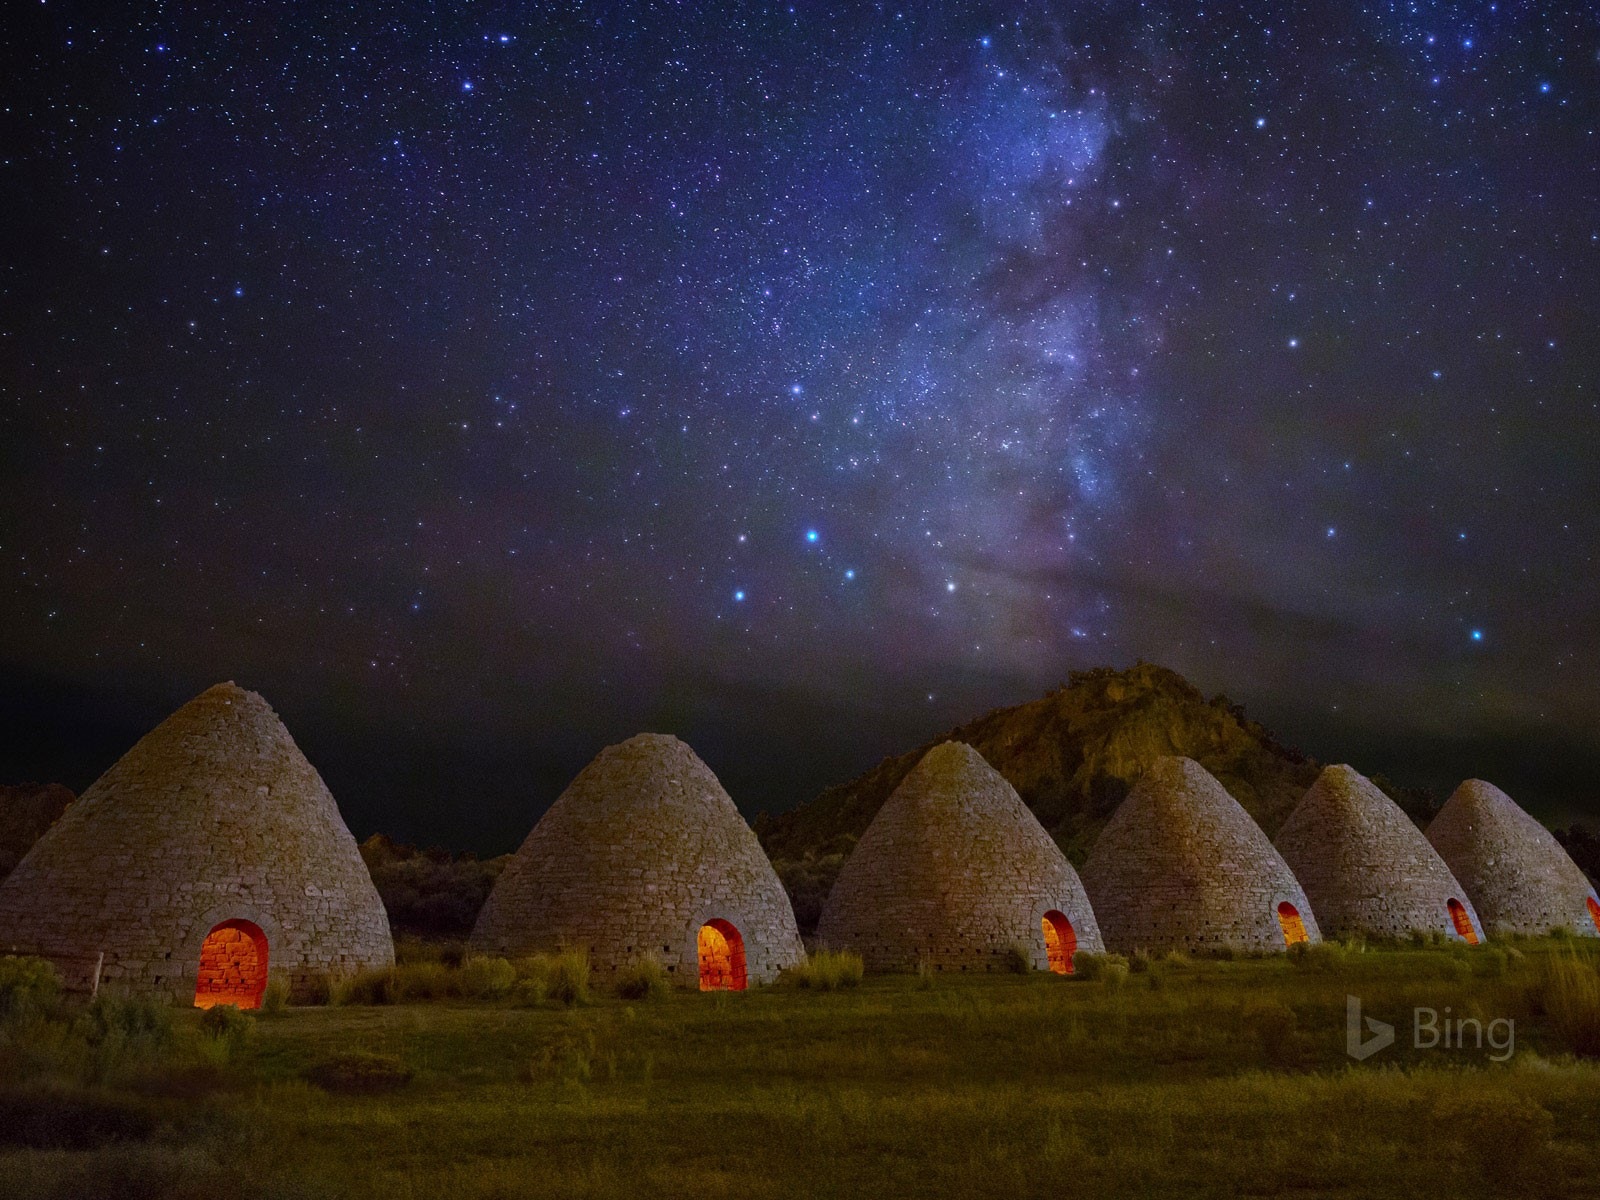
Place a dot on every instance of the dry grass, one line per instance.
(1230, 1078)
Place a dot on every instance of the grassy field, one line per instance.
(1203, 1078)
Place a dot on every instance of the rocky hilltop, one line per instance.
(26, 811)
(1072, 755)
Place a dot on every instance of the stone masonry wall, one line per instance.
(1181, 866)
(214, 815)
(1516, 873)
(1366, 868)
(952, 873)
(642, 849)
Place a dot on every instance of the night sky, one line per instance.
(486, 383)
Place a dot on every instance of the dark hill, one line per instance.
(1072, 756)
(26, 811)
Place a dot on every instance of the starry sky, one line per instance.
(484, 383)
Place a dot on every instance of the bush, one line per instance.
(486, 978)
(359, 1072)
(645, 979)
(1114, 975)
(28, 987)
(1317, 956)
(1274, 1025)
(276, 998)
(374, 985)
(568, 982)
(1017, 959)
(1139, 962)
(123, 1031)
(229, 1027)
(1177, 960)
(826, 971)
(1089, 966)
(562, 977)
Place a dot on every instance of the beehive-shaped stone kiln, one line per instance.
(644, 855)
(209, 854)
(1367, 870)
(1181, 866)
(1515, 872)
(954, 872)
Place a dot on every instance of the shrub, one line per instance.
(123, 1031)
(486, 978)
(374, 985)
(229, 1027)
(1317, 956)
(416, 982)
(562, 977)
(1177, 960)
(568, 982)
(359, 1072)
(1506, 1135)
(1090, 966)
(644, 979)
(1017, 959)
(28, 987)
(1115, 974)
(1139, 962)
(276, 998)
(826, 971)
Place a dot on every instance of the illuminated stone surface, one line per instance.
(1367, 870)
(1292, 924)
(1181, 866)
(233, 966)
(1516, 875)
(952, 873)
(642, 850)
(213, 816)
(722, 962)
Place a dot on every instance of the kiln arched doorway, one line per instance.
(1292, 924)
(1463, 921)
(233, 966)
(720, 947)
(1060, 941)
(1594, 912)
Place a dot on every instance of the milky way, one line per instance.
(485, 384)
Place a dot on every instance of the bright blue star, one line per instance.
(466, 85)
(738, 596)
(850, 574)
(812, 535)
(1261, 122)
(1477, 635)
(1545, 87)
(1332, 531)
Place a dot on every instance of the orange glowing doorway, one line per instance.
(1060, 942)
(1294, 926)
(1594, 912)
(721, 949)
(233, 966)
(1463, 922)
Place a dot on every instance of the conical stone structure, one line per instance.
(1514, 870)
(954, 872)
(1367, 870)
(1181, 866)
(214, 823)
(644, 855)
